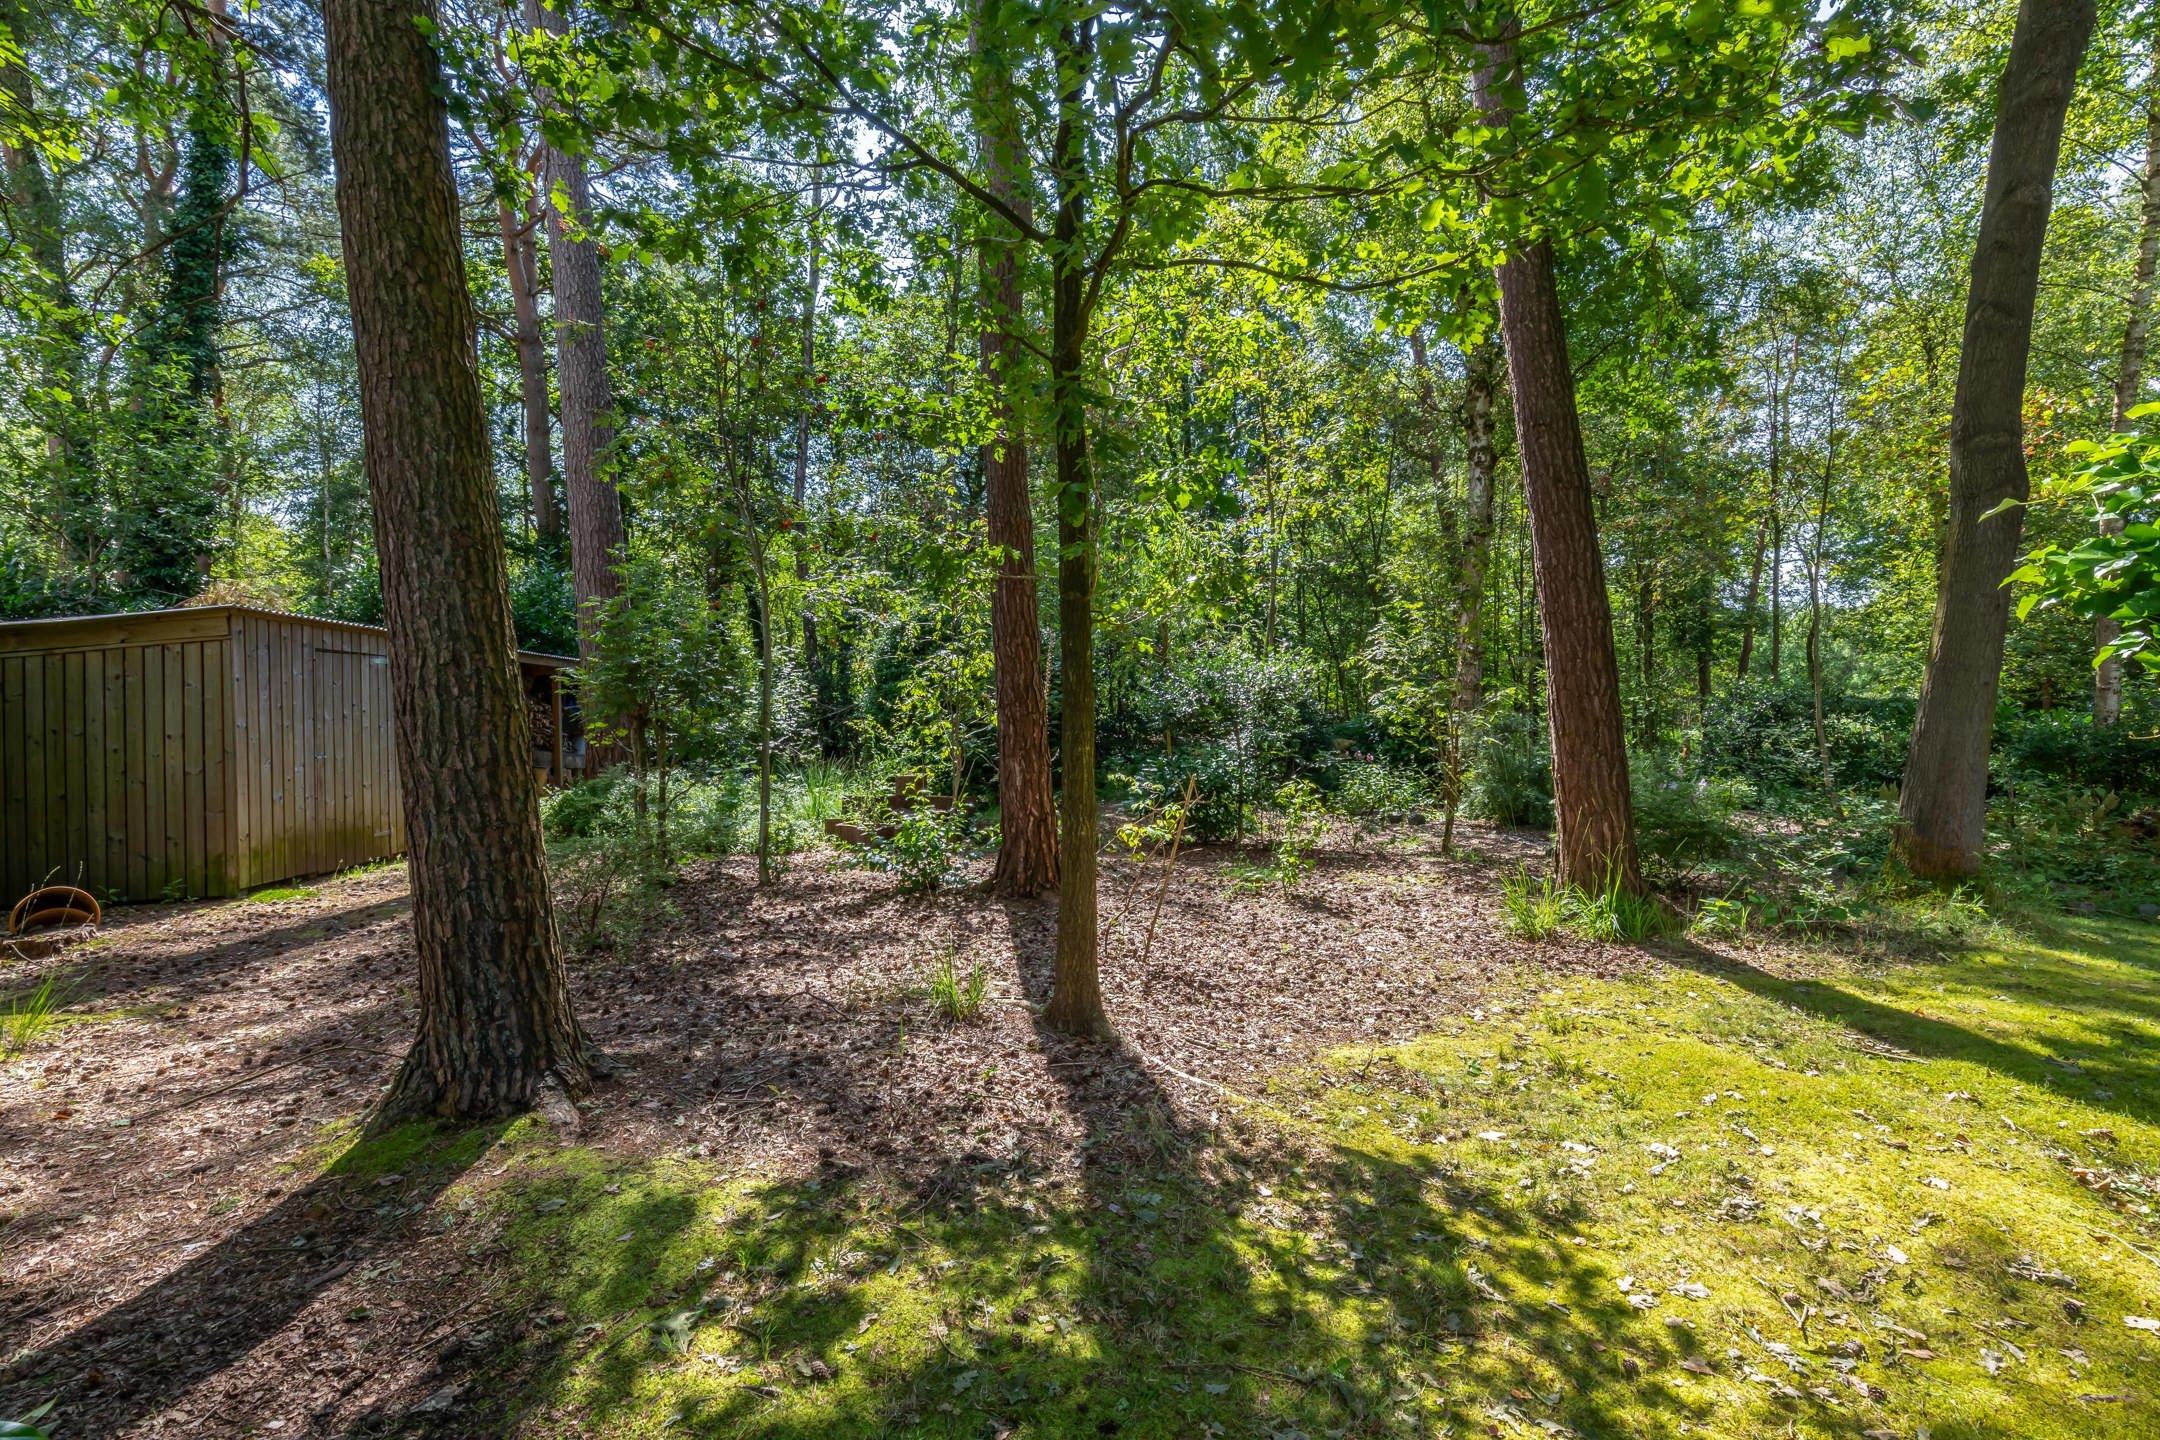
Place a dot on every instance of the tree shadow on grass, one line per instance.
(1186, 1274)
(143, 1355)
(2121, 1072)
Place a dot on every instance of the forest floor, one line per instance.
(1361, 1165)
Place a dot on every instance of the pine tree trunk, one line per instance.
(1027, 860)
(1943, 808)
(521, 261)
(495, 1019)
(2129, 375)
(1076, 1003)
(1481, 375)
(1593, 811)
(596, 523)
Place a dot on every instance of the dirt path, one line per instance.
(172, 1263)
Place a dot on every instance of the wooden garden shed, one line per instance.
(203, 751)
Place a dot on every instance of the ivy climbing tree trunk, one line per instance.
(1942, 809)
(1076, 1003)
(1027, 859)
(596, 523)
(496, 1026)
(2130, 373)
(1593, 812)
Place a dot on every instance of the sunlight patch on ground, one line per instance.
(1718, 1201)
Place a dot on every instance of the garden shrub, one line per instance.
(1510, 770)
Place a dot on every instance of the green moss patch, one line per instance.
(1716, 1201)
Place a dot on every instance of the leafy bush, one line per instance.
(1158, 781)
(1766, 734)
(1237, 722)
(1683, 820)
(1510, 770)
(924, 851)
(609, 891)
(1380, 789)
(1302, 821)
(2066, 747)
(704, 814)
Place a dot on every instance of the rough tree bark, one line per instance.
(521, 259)
(2129, 374)
(596, 523)
(1943, 807)
(1027, 860)
(1076, 1003)
(1593, 812)
(496, 1025)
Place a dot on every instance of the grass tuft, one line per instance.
(956, 997)
(27, 1017)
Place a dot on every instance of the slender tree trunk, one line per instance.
(1780, 436)
(1815, 625)
(810, 400)
(496, 1024)
(2129, 375)
(1027, 859)
(1754, 598)
(1481, 377)
(1943, 807)
(1594, 813)
(596, 522)
(1076, 1003)
(1646, 645)
(521, 260)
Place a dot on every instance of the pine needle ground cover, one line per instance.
(1746, 1197)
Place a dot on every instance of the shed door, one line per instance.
(352, 789)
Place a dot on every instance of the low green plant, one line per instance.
(281, 894)
(1303, 819)
(609, 891)
(29, 1016)
(1536, 907)
(25, 1428)
(1381, 790)
(1509, 770)
(956, 997)
(923, 852)
(1615, 912)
